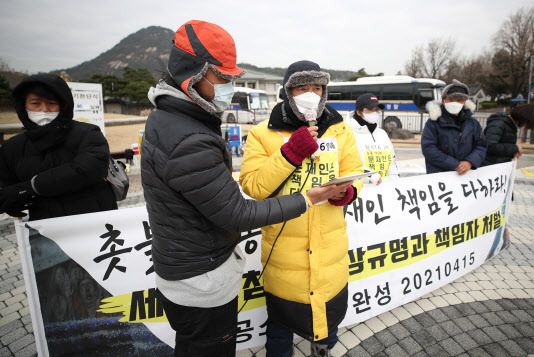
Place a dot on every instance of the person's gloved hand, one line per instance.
(16, 197)
(300, 145)
(345, 200)
(16, 212)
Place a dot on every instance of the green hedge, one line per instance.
(488, 105)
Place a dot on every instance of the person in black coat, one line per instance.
(501, 134)
(58, 166)
(452, 139)
(195, 207)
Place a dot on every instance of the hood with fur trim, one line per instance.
(162, 88)
(434, 108)
(199, 46)
(301, 73)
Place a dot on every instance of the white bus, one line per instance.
(249, 106)
(404, 98)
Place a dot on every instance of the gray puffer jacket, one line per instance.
(196, 209)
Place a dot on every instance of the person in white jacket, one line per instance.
(376, 150)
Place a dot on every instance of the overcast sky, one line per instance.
(379, 35)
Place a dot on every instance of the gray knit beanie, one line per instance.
(301, 73)
(456, 90)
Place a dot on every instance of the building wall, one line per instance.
(113, 108)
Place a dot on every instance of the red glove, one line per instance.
(346, 199)
(300, 146)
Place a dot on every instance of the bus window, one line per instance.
(264, 101)
(258, 101)
(438, 93)
(241, 99)
(339, 92)
(400, 91)
(376, 89)
(243, 103)
(254, 101)
(423, 95)
(334, 96)
(357, 91)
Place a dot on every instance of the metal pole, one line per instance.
(528, 100)
(529, 81)
(421, 126)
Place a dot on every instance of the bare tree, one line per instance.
(432, 60)
(437, 57)
(413, 66)
(4, 67)
(454, 71)
(468, 70)
(473, 68)
(515, 46)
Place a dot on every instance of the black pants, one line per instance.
(203, 331)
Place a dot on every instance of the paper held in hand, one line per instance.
(349, 178)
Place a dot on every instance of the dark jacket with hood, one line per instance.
(195, 207)
(448, 139)
(67, 160)
(501, 135)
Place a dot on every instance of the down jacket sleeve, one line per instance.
(431, 150)
(494, 132)
(261, 173)
(89, 166)
(479, 146)
(197, 171)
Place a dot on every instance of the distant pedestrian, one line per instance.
(452, 139)
(58, 166)
(501, 134)
(374, 145)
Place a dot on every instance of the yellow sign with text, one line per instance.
(378, 160)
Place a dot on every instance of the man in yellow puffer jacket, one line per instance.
(306, 278)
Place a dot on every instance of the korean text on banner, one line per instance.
(91, 283)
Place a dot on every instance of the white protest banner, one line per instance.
(88, 103)
(91, 284)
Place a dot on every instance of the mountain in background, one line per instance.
(147, 48)
(150, 48)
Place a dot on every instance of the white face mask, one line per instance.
(42, 118)
(371, 118)
(453, 107)
(223, 94)
(307, 103)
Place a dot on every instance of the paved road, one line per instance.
(489, 312)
